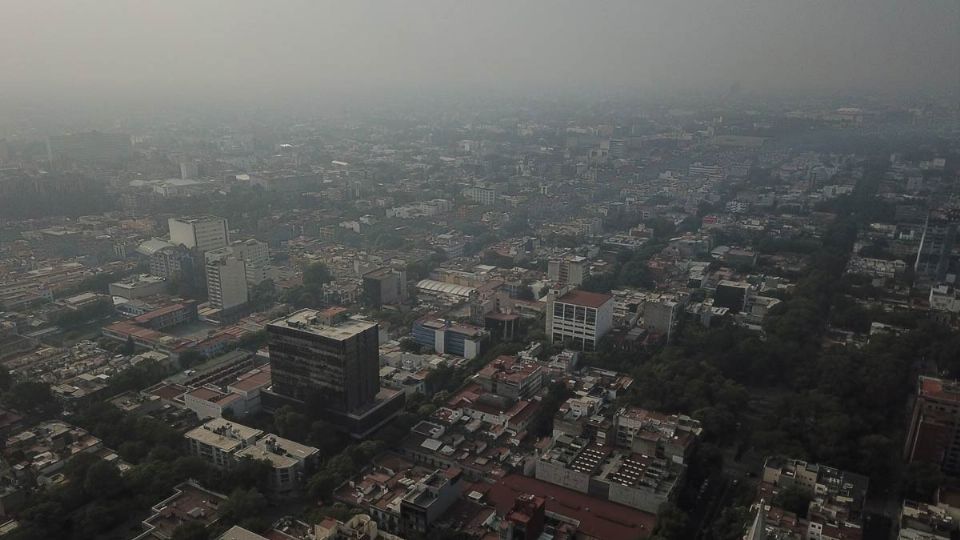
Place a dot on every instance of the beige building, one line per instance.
(202, 232)
(218, 440)
(291, 461)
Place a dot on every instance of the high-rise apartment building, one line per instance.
(256, 258)
(570, 270)
(486, 196)
(226, 279)
(936, 248)
(580, 318)
(201, 232)
(171, 262)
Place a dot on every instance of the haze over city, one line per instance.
(277, 50)
(449, 270)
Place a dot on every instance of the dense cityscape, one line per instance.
(724, 316)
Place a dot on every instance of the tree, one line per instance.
(671, 524)
(792, 499)
(191, 531)
(263, 295)
(254, 340)
(322, 484)
(542, 424)
(129, 347)
(5, 378)
(190, 358)
(525, 293)
(242, 504)
(30, 396)
(921, 480)
(408, 344)
(291, 423)
(316, 275)
(102, 480)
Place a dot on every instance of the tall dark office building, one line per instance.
(313, 357)
(936, 248)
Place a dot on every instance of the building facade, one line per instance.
(580, 318)
(339, 362)
(202, 232)
(934, 436)
(226, 279)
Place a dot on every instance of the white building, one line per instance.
(569, 270)
(944, 298)
(203, 232)
(256, 259)
(218, 440)
(483, 195)
(581, 318)
(291, 462)
(226, 279)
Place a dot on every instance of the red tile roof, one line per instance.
(251, 381)
(598, 518)
(150, 315)
(940, 389)
(584, 298)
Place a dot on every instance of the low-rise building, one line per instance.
(190, 503)
(445, 337)
(943, 297)
(922, 521)
(580, 318)
(138, 286)
(510, 377)
(426, 501)
(292, 462)
(218, 441)
(835, 511)
(39, 453)
(225, 443)
(668, 436)
(635, 480)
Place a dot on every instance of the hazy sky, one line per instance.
(295, 48)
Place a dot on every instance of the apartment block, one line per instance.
(201, 232)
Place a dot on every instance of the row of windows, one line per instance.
(574, 313)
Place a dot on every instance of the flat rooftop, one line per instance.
(584, 298)
(597, 518)
(224, 435)
(940, 389)
(308, 320)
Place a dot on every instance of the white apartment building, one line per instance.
(570, 270)
(483, 195)
(581, 318)
(218, 440)
(291, 462)
(943, 297)
(226, 279)
(256, 258)
(202, 232)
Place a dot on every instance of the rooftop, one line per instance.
(598, 518)
(309, 320)
(584, 298)
(940, 389)
(280, 452)
(189, 503)
(222, 434)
